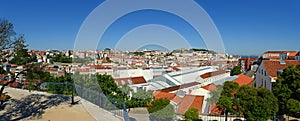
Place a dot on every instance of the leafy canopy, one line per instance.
(191, 114)
(287, 90)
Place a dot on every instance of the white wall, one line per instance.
(262, 79)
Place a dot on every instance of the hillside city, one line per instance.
(152, 60)
(185, 78)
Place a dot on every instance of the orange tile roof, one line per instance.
(243, 80)
(177, 99)
(272, 66)
(176, 68)
(210, 87)
(190, 101)
(293, 53)
(170, 89)
(214, 110)
(134, 80)
(166, 95)
(210, 74)
(273, 57)
(279, 52)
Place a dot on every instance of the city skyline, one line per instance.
(247, 28)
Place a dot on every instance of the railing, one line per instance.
(116, 107)
(102, 101)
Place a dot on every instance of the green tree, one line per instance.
(191, 114)
(287, 89)
(256, 103)
(215, 94)
(158, 104)
(108, 86)
(227, 99)
(235, 71)
(21, 55)
(293, 106)
(138, 53)
(161, 109)
(6, 43)
(62, 59)
(140, 98)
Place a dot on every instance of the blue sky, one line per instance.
(247, 27)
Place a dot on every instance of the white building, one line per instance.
(268, 71)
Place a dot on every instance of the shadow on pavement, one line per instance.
(30, 106)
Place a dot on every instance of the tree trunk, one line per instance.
(226, 115)
(72, 95)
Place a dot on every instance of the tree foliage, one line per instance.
(293, 106)
(235, 71)
(227, 98)
(161, 109)
(158, 104)
(139, 53)
(191, 114)
(21, 55)
(62, 59)
(250, 102)
(256, 103)
(287, 90)
(139, 99)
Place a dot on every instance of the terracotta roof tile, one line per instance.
(170, 89)
(190, 101)
(130, 80)
(177, 99)
(166, 95)
(243, 80)
(293, 53)
(272, 66)
(210, 74)
(210, 87)
(214, 110)
(279, 52)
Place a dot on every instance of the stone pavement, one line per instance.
(139, 114)
(98, 113)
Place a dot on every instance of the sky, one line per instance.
(247, 27)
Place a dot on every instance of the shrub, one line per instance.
(191, 114)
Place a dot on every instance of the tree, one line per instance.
(62, 59)
(6, 35)
(109, 87)
(140, 98)
(293, 106)
(287, 90)
(161, 109)
(256, 103)
(235, 71)
(215, 94)
(13, 79)
(253, 103)
(227, 99)
(191, 114)
(21, 55)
